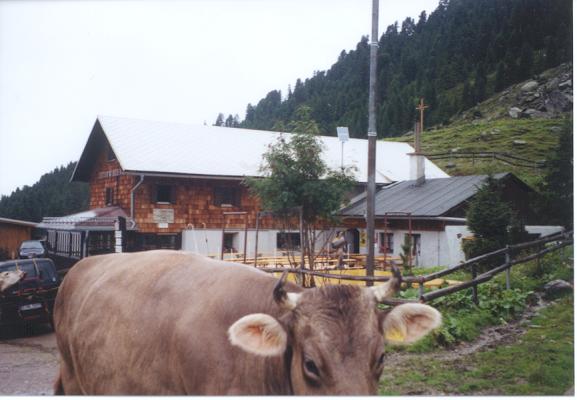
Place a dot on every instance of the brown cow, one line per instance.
(173, 323)
(10, 278)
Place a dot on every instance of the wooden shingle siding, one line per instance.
(192, 200)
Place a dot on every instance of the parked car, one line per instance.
(32, 249)
(32, 299)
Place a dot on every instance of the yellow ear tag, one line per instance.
(395, 335)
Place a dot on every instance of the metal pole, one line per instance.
(372, 139)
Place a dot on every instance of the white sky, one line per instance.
(62, 63)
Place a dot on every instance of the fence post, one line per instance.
(421, 289)
(508, 271)
(473, 276)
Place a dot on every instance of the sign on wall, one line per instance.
(163, 215)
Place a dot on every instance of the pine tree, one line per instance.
(555, 203)
(219, 120)
(488, 218)
(526, 62)
(500, 77)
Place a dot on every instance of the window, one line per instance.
(389, 245)
(229, 242)
(288, 240)
(226, 196)
(164, 194)
(109, 196)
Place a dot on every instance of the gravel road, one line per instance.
(28, 361)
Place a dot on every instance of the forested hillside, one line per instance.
(53, 195)
(461, 54)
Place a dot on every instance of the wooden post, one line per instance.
(421, 288)
(508, 271)
(473, 276)
(301, 233)
(222, 238)
(245, 236)
(256, 239)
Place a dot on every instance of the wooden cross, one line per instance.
(421, 108)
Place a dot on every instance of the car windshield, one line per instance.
(32, 246)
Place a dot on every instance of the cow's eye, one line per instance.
(311, 370)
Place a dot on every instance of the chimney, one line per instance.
(417, 161)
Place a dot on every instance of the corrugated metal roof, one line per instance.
(433, 198)
(172, 148)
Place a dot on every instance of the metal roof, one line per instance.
(433, 198)
(18, 222)
(171, 148)
(95, 219)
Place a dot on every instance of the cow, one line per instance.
(168, 322)
(10, 278)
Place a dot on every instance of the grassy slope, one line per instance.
(540, 363)
(494, 131)
(497, 135)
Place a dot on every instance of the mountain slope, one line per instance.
(53, 195)
(462, 53)
(524, 121)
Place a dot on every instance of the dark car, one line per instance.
(31, 249)
(31, 299)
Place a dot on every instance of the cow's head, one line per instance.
(10, 278)
(335, 335)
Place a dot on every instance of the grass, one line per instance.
(541, 136)
(464, 321)
(540, 363)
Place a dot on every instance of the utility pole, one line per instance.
(372, 139)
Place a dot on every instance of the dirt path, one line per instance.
(489, 338)
(28, 362)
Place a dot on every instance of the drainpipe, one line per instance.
(132, 222)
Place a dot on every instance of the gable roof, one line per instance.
(434, 198)
(149, 147)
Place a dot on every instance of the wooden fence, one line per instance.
(503, 157)
(509, 254)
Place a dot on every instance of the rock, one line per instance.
(557, 288)
(529, 86)
(455, 150)
(566, 85)
(515, 112)
(450, 165)
(519, 143)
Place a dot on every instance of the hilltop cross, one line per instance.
(421, 108)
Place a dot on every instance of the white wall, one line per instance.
(437, 248)
(208, 242)
(543, 230)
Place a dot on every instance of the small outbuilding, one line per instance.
(433, 212)
(12, 233)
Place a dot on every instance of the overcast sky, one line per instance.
(62, 63)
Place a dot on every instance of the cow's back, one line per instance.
(155, 323)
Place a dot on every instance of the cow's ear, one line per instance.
(258, 334)
(407, 323)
